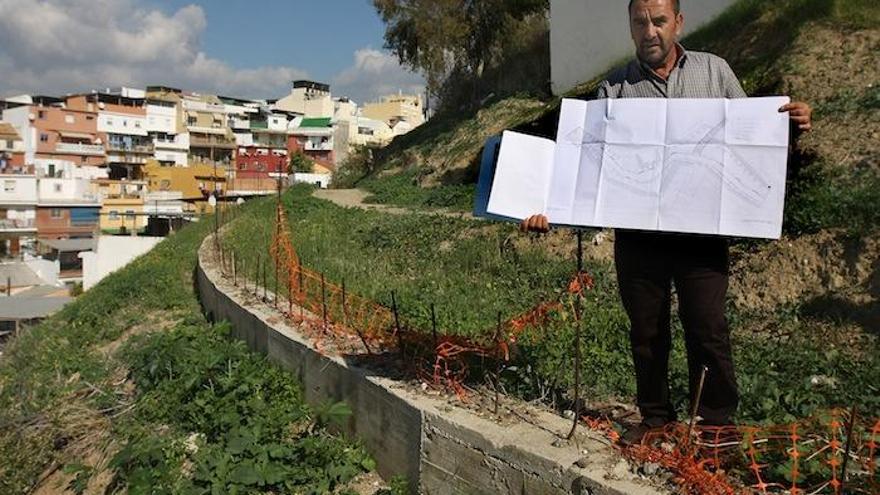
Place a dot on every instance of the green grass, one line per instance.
(403, 190)
(202, 414)
(461, 268)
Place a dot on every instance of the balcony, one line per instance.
(80, 149)
(312, 146)
(113, 158)
(123, 148)
(170, 144)
(17, 225)
(211, 142)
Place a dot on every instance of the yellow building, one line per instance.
(194, 182)
(122, 204)
(396, 108)
(123, 214)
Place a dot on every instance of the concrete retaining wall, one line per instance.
(440, 449)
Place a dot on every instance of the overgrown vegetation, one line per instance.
(130, 389)
(472, 270)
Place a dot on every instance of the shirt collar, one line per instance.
(679, 63)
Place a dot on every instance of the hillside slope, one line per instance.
(130, 389)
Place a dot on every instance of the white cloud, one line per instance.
(375, 73)
(62, 46)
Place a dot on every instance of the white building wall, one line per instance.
(19, 117)
(121, 123)
(161, 119)
(48, 270)
(588, 36)
(111, 254)
(18, 189)
(51, 190)
(320, 180)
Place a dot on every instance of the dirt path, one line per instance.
(354, 198)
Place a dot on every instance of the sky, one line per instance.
(248, 49)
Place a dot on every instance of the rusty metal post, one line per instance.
(265, 281)
(577, 334)
(257, 277)
(234, 270)
(695, 408)
(849, 436)
(434, 326)
(302, 298)
(8, 286)
(400, 347)
(289, 293)
(497, 364)
(324, 300)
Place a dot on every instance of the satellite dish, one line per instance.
(239, 201)
(212, 200)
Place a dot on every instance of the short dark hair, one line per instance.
(676, 6)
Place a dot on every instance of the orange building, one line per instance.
(51, 131)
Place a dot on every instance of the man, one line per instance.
(649, 262)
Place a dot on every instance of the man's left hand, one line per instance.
(800, 113)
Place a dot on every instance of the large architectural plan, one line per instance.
(709, 166)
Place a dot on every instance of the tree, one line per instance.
(442, 37)
(301, 163)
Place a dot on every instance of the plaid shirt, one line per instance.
(695, 75)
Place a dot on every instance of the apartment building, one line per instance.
(396, 108)
(18, 206)
(122, 126)
(122, 205)
(211, 141)
(315, 138)
(51, 130)
(11, 148)
(164, 126)
(308, 98)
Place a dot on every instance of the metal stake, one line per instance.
(397, 324)
(234, 270)
(849, 437)
(434, 325)
(497, 364)
(324, 300)
(696, 406)
(577, 334)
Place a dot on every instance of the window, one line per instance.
(44, 138)
(90, 117)
(84, 159)
(42, 114)
(69, 119)
(114, 215)
(55, 213)
(9, 186)
(58, 188)
(191, 120)
(51, 170)
(124, 123)
(109, 121)
(137, 124)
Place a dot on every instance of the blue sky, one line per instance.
(269, 32)
(251, 49)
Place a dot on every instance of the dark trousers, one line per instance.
(647, 265)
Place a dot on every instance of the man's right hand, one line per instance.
(535, 223)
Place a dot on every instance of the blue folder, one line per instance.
(484, 183)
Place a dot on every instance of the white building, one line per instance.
(18, 212)
(308, 98)
(170, 144)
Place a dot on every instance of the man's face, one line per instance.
(655, 28)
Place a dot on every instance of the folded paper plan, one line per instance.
(708, 166)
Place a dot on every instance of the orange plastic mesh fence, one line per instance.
(797, 459)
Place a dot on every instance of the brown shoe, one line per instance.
(634, 434)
